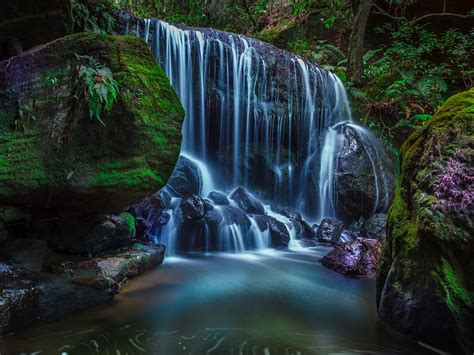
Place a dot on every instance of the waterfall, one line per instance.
(256, 117)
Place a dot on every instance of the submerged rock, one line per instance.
(329, 230)
(356, 259)
(40, 285)
(52, 153)
(247, 202)
(218, 198)
(425, 284)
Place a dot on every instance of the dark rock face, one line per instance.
(58, 155)
(356, 259)
(329, 231)
(28, 23)
(234, 215)
(40, 285)
(279, 234)
(425, 287)
(186, 179)
(192, 208)
(374, 227)
(247, 202)
(110, 232)
(218, 198)
(364, 185)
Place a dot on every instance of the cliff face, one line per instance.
(425, 287)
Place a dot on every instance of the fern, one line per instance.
(100, 87)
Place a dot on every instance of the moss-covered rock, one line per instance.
(425, 283)
(53, 154)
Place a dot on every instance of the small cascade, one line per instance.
(257, 117)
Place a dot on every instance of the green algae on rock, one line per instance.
(425, 287)
(52, 154)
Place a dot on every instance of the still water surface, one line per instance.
(257, 303)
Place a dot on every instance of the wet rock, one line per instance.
(374, 227)
(186, 179)
(192, 208)
(279, 234)
(356, 259)
(234, 215)
(109, 232)
(364, 184)
(40, 285)
(329, 230)
(213, 217)
(208, 206)
(247, 202)
(303, 230)
(164, 219)
(218, 198)
(152, 206)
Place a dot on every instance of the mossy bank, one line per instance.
(425, 287)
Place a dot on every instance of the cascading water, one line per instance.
(256, 117)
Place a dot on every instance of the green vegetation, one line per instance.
(399, 59)
(100, 87)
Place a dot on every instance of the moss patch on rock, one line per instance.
(425, 287)
(52, 154)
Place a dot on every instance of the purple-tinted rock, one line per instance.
(356, 259)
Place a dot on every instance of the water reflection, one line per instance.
(255, 303)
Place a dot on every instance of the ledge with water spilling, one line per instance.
(267, 121)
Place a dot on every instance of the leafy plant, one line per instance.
(100, 88)
(93, 18)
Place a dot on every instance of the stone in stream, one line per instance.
(218, 198)
(279, 234)
(186, 179)
(192, 208)
(40, 285)
(329, 230)
(356, 259)
(365, 179)
(247, 202)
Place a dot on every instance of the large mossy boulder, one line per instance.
(53, 154)
(27, 23)
(425, 283)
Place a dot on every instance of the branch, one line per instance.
(415, 20)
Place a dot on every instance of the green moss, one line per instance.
(129, 158)
(454, 287)
(129, 220)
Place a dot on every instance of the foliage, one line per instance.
(97, 18)
(100, 88)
